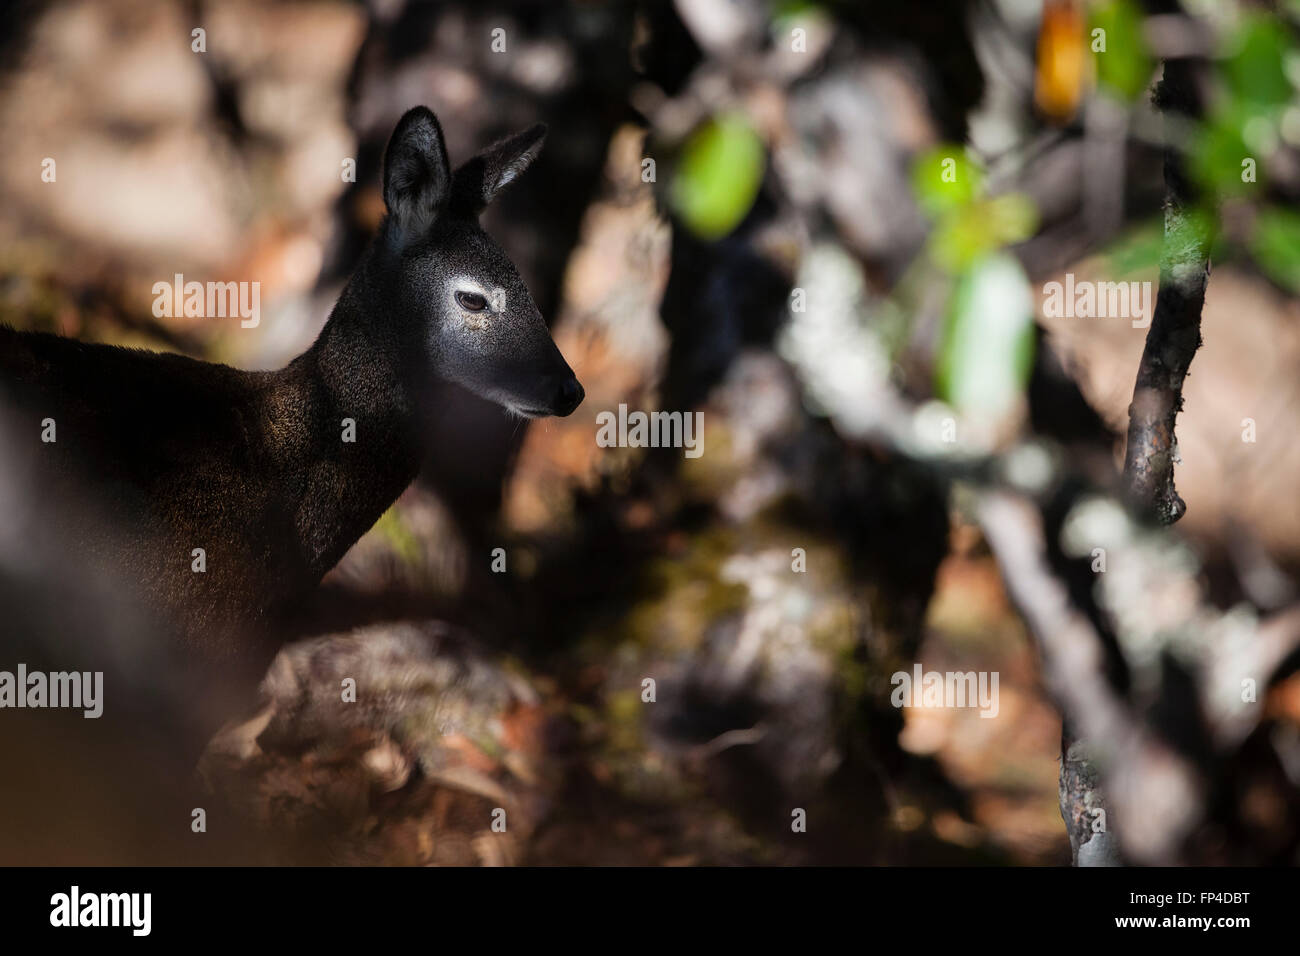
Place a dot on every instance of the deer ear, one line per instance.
(478, 181)
(417, 176)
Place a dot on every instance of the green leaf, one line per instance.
(1012, 217)
(1217, 152)
(1254, 69)
(1138, 250)
(987, 349)
(945, 179)
(976, 229)
(783, 9)
(1125, 67)
(719, 176)
(1275, 245)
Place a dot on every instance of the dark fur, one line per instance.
(251, 466)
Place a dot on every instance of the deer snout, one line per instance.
(569, 396)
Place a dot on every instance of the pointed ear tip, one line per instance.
(418, 114)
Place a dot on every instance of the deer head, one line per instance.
(476, 320)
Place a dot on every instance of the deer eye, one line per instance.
(471, 301)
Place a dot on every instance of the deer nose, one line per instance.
(569, 397)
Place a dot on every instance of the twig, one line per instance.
(1152, 449)
(1175, 332)
(1155, 791)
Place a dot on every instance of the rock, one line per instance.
(393, 743)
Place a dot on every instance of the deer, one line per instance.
(231, 493)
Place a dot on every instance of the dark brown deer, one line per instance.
(274, 475)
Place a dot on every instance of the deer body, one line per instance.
(253, 467)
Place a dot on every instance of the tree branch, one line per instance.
(1152, 448)
(1175, 332)
(1154, 790)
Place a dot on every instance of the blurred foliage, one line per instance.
(782, 9)
(1231, 149)
(1275, 246)
(719, 175)
(971, 232)
(946, 179)
(404, 542)
(1218, 153)
(1125, 68)
(967, 226)
(789, 14)
(1244, 119)
(1254, 71)
(1136, 251)
(987, 348)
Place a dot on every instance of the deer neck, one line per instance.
(344, 432)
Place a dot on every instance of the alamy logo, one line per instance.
(652, 430)
(212, 300)
(1085, 299)
(103, 909)
(59, 689)
(950, 689)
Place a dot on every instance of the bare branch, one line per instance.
(1152, 448)
(1152, 787)
(1175, 332)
